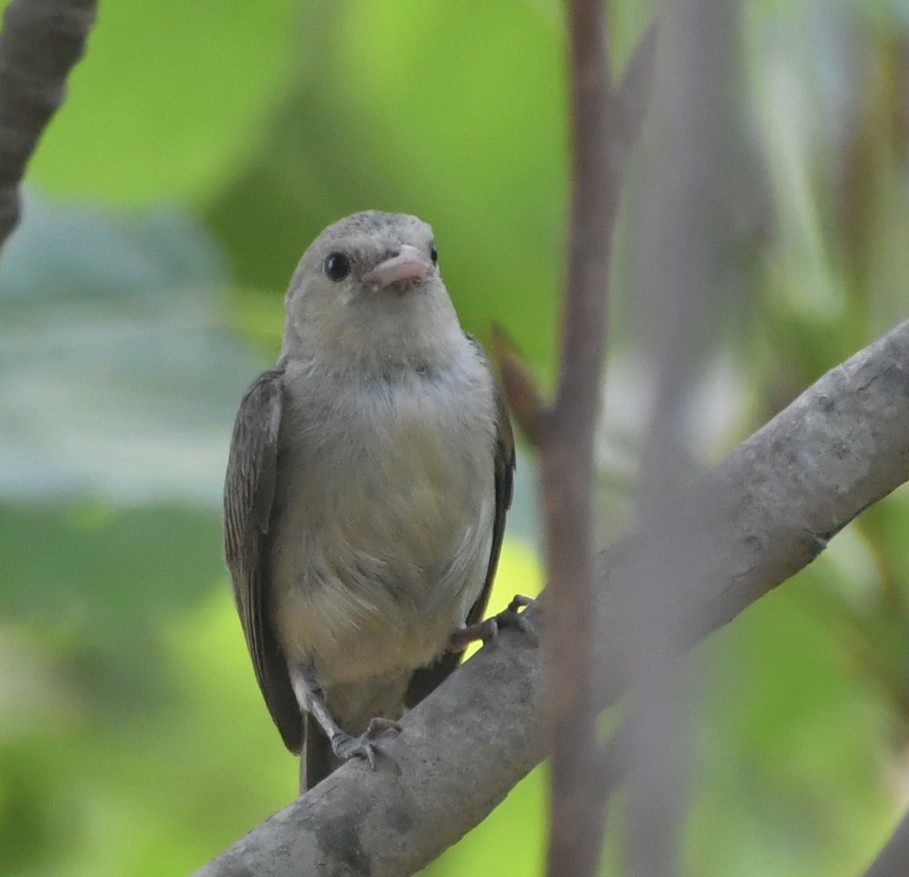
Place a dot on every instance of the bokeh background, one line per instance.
(202, 146)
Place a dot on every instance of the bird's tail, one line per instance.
(317, 760)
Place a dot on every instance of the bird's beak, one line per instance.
(407, 267)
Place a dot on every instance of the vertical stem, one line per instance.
(686, 278)
(568, 452)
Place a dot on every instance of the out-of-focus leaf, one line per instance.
(110, 572)
(118, 374)
(787, 762)
(104, 792)
(170, 97)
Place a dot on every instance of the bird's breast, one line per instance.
(383, 522)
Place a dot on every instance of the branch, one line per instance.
(893, 858)
(760, 517)
(567, 453)
(40, 42)
(604, 123)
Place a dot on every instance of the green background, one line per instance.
(202, 145)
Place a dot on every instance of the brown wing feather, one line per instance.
(504, 469)
(427, 679)
(249, 490)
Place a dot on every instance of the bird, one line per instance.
(368, 480)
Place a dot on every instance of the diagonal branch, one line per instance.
(756, 520)
(893, 859)
(40, 42)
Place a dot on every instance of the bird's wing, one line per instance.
(249, 491)
(428, 678)
(504, 462)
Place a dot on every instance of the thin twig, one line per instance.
(524, 399)
(575, 815)
(40, 42)
(598, 146)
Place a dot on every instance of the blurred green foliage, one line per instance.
(201, 147)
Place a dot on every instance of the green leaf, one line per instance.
(169, 99)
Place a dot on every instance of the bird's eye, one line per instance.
(433, 254)
(336, 266)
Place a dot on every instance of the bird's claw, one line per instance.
(514, 616)
(346, 746)
(488, 630)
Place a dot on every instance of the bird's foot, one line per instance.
(366, 746)
(488, 630)
(513, 615)
(485, 631)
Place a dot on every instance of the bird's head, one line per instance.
(368, 289)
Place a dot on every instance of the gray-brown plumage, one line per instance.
(369, 476)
